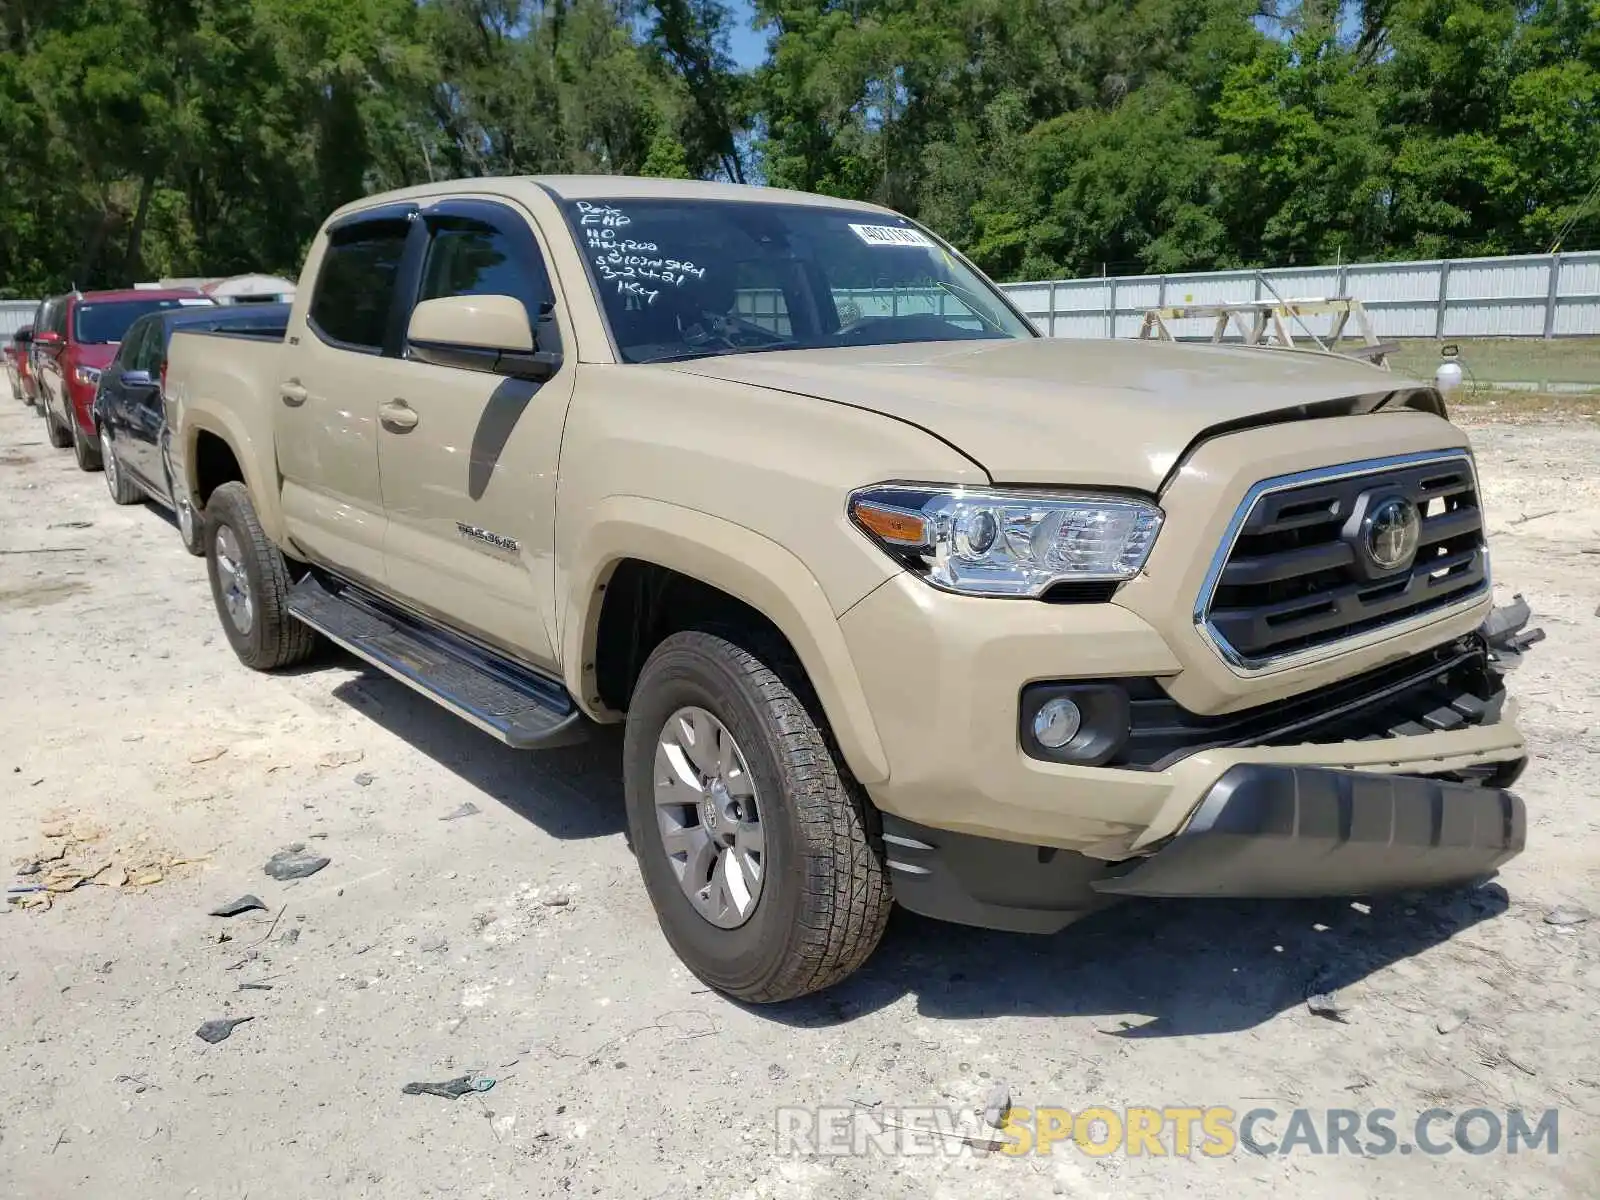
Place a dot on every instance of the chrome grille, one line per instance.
(1300, 575)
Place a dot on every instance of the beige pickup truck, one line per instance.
(899, 601)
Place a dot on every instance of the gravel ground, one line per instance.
(515, 942)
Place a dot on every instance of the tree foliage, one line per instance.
(1046, 137)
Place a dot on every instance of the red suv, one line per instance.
(76, 341)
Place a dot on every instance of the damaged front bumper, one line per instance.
(1263, 829)
(1278, 831)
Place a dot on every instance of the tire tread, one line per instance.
(284, 640)
(847, 895)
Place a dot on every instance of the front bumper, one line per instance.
(943, 674)
(1275, 831)
(1261, 831)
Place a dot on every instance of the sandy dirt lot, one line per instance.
(516, 942)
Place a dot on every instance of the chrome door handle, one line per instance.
(398, 416)
(293, 394)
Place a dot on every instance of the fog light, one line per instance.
(1057, 722)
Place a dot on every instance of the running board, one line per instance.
(521, 708)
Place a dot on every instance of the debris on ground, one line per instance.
(290, 935)
(997, 1106)
(469, 809)
(255, 987)
(293, 862)
(1453, 1020)
(556, 900)
(340, 758)
(433, 945)
(210, 754)
(1567, 914)
(1328, 1004)
(220, 1029)
(244, 904)
(450, 1089)
(77, 858)
(365, 778)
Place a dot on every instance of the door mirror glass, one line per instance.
(48, 340)
(137, 379)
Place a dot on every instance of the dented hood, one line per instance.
(1057, 411)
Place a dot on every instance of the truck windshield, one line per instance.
(107, 320)
(693, 278)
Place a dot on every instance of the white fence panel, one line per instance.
(14, 314)
(1535, 295)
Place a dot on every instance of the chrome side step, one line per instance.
(523, 709)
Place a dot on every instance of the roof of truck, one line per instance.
(609, 187)
(135, 294)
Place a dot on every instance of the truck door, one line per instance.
(468, 457)
(326, 406)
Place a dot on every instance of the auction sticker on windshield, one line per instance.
(891, 235)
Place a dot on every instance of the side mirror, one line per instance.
(478, 333)
(49, 340)
(137, 379)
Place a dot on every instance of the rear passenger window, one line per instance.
(356, 284)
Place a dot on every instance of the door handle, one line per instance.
(293, 394)
(398, 416)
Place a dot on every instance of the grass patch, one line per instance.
(1559, 361)
(1488, 405)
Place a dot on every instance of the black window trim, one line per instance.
(510, 224)
(384, 214)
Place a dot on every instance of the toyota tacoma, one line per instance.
(899, 601)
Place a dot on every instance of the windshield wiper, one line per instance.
(688, 355)
(973, 302)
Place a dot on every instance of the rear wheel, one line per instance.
(122, 488)
(191, 529)
(250, 583)
(760, 853)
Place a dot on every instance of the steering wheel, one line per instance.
(727, 328)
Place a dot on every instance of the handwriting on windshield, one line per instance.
(631, 264)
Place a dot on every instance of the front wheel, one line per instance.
(60, 436)
(84, 450)
(250, 584)
(760, 854)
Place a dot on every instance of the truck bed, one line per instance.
(225, 382)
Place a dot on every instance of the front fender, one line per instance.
(742, 563)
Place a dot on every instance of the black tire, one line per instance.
(60, 436)
(84, 451)
(826, 894)
(274, 639)
(118, 482)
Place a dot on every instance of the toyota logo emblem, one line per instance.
(1392, 532)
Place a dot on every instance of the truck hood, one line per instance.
(1068, 412)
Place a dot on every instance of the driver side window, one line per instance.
(471, 258)
(127, 358)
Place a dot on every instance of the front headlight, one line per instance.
(87, 375)
(984, 542)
